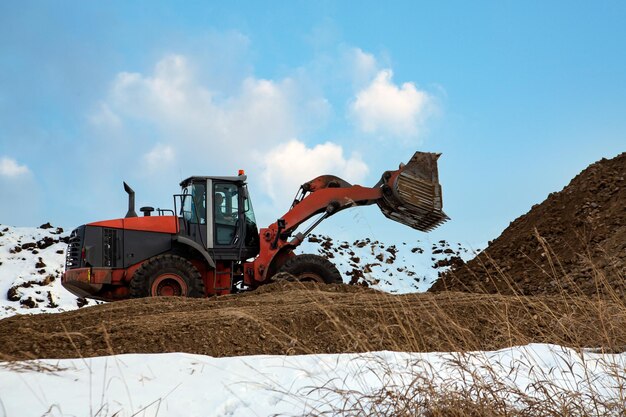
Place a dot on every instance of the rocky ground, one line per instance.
(31, 263)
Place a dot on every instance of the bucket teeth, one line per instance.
(414, 198)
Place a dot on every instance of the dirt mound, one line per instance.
(574, 241)
(295, 318)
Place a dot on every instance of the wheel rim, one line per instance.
(310, 277)
(169, 285)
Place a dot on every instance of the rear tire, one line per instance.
(167, 275)
(312, 268)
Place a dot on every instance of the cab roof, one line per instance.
(238, 178)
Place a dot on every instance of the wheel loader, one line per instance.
(209, 243)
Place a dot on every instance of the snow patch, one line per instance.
(32, 261)
(180, 384)
(402, 268)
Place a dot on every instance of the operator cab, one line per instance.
(217, 213)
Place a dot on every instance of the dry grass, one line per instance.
(474, 386)
(471, 385)
(448, 322)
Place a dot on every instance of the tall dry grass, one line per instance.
(464, 325)
(472, 384)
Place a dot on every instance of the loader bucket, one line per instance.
(413, 197)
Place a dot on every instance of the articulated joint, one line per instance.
(332, 207)
(281, 226)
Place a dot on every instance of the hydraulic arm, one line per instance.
(410, 195)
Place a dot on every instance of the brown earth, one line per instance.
(294, 318)
(574, 241)
(569, 247)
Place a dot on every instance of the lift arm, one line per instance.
(410, 195)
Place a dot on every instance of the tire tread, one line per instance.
(141, 280)
(313, 263)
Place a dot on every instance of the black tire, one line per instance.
(313, 268)
(167, 275)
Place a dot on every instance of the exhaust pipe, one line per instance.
(131, 201)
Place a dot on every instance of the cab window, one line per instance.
(194, 203)
(226, 212)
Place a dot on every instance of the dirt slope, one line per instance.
(292, 318)
(574, 241)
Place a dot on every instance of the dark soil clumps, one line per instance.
(574, 241)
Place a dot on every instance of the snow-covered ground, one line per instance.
(31, 263)
(180, 384)
(395, 268)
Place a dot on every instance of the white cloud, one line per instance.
(175, 114)
(11, 169)
(103, 116)
(163, 96)
(383, 107)
(159, 157)
(183, 109)
(288, 166)
(363, 65)
(171, 112)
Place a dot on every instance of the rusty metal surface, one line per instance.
(414, 197)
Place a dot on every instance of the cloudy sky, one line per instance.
(518, 96)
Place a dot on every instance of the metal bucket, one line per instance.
(414, 196)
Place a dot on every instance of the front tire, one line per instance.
(312, 268)
(167, 275)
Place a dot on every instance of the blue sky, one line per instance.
(518, 96)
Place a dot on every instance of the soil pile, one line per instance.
(295, 318)
(574, 241)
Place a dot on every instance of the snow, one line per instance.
(31, 262)
(398, 269)
(181, 384)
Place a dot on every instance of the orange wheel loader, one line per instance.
(209, 244)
